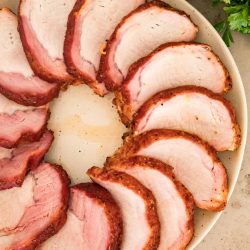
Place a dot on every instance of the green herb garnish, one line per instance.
(237, 18)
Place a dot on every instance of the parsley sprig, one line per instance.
(237, 18)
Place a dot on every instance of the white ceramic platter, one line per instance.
(87, 128)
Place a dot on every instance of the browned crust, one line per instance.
(61, 217)
(112, 211)
(171, 93)
(68, 46)
(123, 106)
(58, 220)
(31, 162)
(135, 186)
(133, 144)
(34, 62)
(34, 162)
(68, 43)
(150, 163)
(123, 94)
(12, 182)
(104, 68)
(29, 136)
(49, 232)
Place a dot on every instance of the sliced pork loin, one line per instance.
(27, 125)
(42, 206)
(19, 123)
(142, 31)
(171, 65)
(195, 110)
(93, 222)
(17, 80)
(14, 163)
(85, 40)
(195, 164)
(42, 27)
(174, 202)
(141, 227)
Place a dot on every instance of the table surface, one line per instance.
(232, 231)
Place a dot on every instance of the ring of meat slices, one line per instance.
(168, 89)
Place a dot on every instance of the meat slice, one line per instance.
(42, 204)
(42, 27)
(19, 123)
(93, 222)
(17, 80)
(174, 203)
(25, 125)
(171, 65)
(15, 163)
(85, 40)
(141, 227)
(195, 110)
(195, 164)
(138, 34)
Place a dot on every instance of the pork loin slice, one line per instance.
(19, 123)
(42, 205)
(141, 227)
(171, 65)
(142, 31)
(17, 80)
(174, 202)
(15, 163)
(195, 164)
(85, 40)
(42, 27)
(195, 110)
(93, 222)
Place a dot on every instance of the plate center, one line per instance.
(87, 129)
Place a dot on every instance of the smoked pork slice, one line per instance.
(169, 66)
(175, 204)
(93, 221)
(42, 28)
(32, 213)
(195, 110)
(19, 123)
(90, 25)
(15, 163)
(195, 164)
(138, 34)
(17, 80)
(141, 227)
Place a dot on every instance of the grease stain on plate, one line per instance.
(87, 129)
